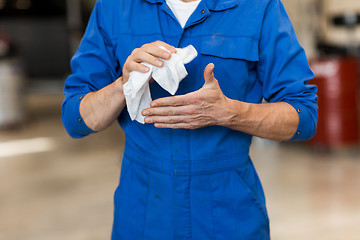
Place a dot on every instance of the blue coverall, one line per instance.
(193, 184)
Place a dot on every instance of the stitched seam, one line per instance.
(199, 167)
(223, 57)
(232, 36)
(204, 160)
(212, 206)
(182, 173)
(126, 169)
(146, 203)
(189, 207)
(185, 37)
(252, 195)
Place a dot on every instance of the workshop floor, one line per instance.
(53, 187)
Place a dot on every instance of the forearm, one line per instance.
(101, 108)
(276, 121)
(208, 106)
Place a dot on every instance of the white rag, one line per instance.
(137, 89)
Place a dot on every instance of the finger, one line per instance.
(165, 119)
(179, 100)
(174, 126)
(209, 74)
(143, 56)
(170, 111)
(167, 46)
(156, 51)
(134, 66)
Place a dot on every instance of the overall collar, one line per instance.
(214, 5)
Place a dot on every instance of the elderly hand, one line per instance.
(204, 107)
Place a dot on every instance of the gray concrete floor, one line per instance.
(54, 187)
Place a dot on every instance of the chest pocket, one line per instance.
(245, 48)
(235, 62)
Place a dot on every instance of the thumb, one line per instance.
(208, 73)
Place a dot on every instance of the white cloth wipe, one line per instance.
(137, 89)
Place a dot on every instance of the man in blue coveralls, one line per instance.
(186, 173)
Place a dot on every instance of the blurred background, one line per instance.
(54, 187)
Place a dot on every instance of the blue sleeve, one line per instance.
(93, 66)
(284, 71)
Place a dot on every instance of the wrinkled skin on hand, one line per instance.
(202, 108)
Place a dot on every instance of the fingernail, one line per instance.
(166, 55)
(159, 63)
(145, 69)
(146, 113)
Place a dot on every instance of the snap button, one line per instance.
(81, 97)
(203, 11)
(79, 120)
(167, 7)
(298, 133)
(299, 110)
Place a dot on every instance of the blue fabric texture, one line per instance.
(193, 184)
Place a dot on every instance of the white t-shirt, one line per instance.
(182, 10)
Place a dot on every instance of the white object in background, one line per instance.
(305, 19)
(339, 36)
(137, 89)
(11, 99)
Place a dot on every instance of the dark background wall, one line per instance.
(44, 33)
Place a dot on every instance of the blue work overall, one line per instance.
(193, 184)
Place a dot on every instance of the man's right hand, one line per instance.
(101, 108)
(149, 53)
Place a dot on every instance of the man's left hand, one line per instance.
(202, 108)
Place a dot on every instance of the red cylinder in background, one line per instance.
(337, 79)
